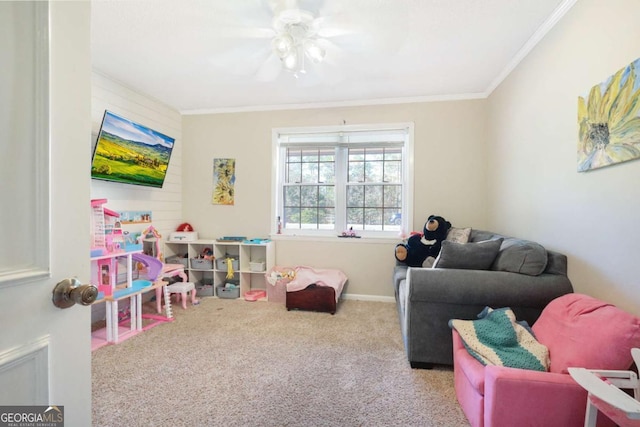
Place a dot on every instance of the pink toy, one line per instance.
(254, 295)
(158, 269)
(151, 237)
(107, 232)
(105, 278)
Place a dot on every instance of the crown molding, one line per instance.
(336, 104)
(542, 31)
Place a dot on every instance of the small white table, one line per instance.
(605, 394)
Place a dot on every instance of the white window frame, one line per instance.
(280, 137)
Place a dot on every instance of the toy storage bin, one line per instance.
(204, 290)
(177, 259)
(221, 264)
(228, 293)
(183, 236)
(277, 292)
(201, 264)
(258, 265)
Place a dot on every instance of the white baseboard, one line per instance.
(377, 298)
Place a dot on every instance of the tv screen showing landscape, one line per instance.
(130, 153)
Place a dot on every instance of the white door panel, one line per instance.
(45, 131)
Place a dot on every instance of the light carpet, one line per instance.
(238, 363)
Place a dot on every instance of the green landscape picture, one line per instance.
(130, 153)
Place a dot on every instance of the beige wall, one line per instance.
(450, 179)
(534, 189)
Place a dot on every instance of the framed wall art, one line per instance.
(224, 179)
(609, 120)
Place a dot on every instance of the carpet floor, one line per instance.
(237, 363)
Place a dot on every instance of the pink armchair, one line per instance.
(580, 331)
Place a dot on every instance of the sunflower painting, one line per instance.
(609, 120)
(224, 179)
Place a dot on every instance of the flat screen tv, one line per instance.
(130, 153)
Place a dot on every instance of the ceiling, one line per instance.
(211, 55)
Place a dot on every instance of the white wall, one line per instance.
(534, 189)
(165, 203)
(450, 179)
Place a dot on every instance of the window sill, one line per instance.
(310, 238)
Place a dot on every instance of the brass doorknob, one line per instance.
(71, 291)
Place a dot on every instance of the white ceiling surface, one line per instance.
(206, 55)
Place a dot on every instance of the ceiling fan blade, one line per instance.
(334, 32)
(232, 32)
(329, 72)
(270, 69)
(313, 6)
(323, 73)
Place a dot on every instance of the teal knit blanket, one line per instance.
(497, 339)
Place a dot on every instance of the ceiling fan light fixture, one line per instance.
(314, 51)
(290, 61)
(296, 38)
(282, 45)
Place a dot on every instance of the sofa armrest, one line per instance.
(484, 287)
(399, 274)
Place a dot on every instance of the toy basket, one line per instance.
(277, 278)
(257, 266)
(177, 259)
(228, 293)
(201, 264)
(204, 290)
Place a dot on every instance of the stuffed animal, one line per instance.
(420, 246)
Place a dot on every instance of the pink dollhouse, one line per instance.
(107, 231)
(106, 238)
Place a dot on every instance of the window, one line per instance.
(332, 179)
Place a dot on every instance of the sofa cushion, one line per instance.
(468, 256)
(521, 256)
(584, 332)
(458, 235)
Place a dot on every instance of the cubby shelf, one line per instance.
(248, 255)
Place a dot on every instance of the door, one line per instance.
(45, 131)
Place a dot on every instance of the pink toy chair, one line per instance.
(579, 331)
(156, 269)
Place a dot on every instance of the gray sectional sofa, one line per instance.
(523, 275)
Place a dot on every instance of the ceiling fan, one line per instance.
(306, 39)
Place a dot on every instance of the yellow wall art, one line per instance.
(224, 178)
(609, 120)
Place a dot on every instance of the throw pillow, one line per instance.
(497, 339)
(458, 235)
(521, 256)
(468, 256)
(428, 263)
